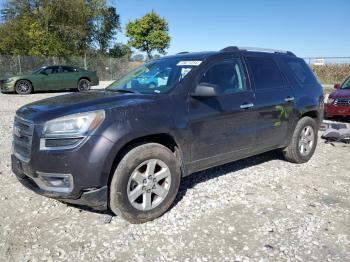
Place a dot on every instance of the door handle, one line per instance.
(289, 99)
(247, 105)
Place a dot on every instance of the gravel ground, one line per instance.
(257, 209)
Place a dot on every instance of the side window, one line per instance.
(228, 75)
(51, 70)
(301, 71)
(265, 73)
(68, 69)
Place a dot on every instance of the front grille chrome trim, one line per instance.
(23, 131)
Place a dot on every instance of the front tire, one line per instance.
(84, 85)
(303, 144)
(23, 87)
(145, 183)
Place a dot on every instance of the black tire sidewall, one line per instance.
(119, 202)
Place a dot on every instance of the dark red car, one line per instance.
(338, 102)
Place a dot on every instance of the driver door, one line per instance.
(223, 127)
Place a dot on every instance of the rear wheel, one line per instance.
(84, 85)
(303, 143)
(23, 87)
(145, 183)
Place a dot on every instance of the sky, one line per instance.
(309, 28)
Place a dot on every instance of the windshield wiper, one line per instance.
(124, 91)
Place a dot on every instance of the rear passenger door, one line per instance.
(69, 77)
(274, 101)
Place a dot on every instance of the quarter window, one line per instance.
(301, 71)
(265, 73)
(228, 75)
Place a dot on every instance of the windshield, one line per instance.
(37, 70)
(157, 76)
(346, 84)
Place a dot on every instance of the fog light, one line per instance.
(55, 182)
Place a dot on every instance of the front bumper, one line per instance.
(83, 172)
(7, 87)
(331, 110)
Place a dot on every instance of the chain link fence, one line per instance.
(329, 70)
(107, 68)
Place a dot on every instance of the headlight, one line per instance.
(77, 125)
(8, 80)
(330, 100)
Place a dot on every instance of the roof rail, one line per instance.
(230, 49)
(185, 52)
(256, 49)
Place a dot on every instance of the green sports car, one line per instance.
(50, 78)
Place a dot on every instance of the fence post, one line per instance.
(19, 64)
(85, 64)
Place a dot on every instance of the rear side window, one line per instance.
(265, 72)
(301, 71)
(68, 69)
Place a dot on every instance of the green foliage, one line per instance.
(120, 50)
(148, 34)
(58, 28)
(105, 27)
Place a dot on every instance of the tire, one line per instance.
(23, 87)
(301, 141)
(128, 198)
(84, 85)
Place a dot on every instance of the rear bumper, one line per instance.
(334, 110)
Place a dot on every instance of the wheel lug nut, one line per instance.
(143, 188)
(154, 180)
(145, 181)
(150, 177)
(148, 190)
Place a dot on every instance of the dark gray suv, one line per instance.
(127, 147)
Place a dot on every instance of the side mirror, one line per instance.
(337, 86)
(206, 90)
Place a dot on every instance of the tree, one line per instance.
(137, 58)
(59, 28)
(120, 50)
(148, 34)
(105, 27)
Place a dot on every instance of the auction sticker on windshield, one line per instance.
(189, 63)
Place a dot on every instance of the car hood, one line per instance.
(50, 108)
(340, 93)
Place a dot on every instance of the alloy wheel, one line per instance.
(149, 184)
(306, 140)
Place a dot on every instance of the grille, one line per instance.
(22, 138)
(342, 101)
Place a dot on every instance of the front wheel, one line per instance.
(303, 143)
(84, 85)
(145, 183)
(23, 87)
